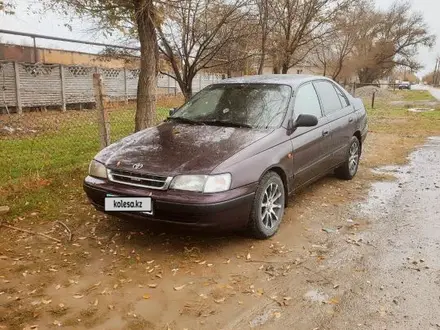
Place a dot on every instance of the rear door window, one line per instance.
(329, 98)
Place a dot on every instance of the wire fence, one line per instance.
(46, 144)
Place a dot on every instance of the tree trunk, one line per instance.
(276, 69)
(147, 85)
(262, 60)
(285, 68)
(187, 90)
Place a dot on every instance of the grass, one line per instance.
(415, 95)
(41, 172)
(71, 146)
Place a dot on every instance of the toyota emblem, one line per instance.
(138, 166)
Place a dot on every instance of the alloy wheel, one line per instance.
(272, 205)
(353, 160)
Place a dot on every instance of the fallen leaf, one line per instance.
(46, 302)
(78, 296)
(111, 307)
(209, 265)
(333, 301)
(204, 296)
(178, 288)
(287, 298)
(240, 302)
(248, 257)
(58, 287)
(219, 301)
(227, 261)
(202, 262)
(152, 285)
(56, 322)
(277, 315)
(150, 262)
(146, 296)
(61, 305)
(96, 302)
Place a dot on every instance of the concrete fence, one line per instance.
(28, 85)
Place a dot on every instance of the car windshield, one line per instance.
(237, 105)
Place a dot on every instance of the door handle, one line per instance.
(325, 133)
(350, 120)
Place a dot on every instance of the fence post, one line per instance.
(200, 82)
(63, 89)
(372, 100)
(17, 88)
(103, 122)
(125, 86)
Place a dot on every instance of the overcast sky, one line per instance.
(52, 24)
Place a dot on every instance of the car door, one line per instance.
(341, 121)
(307, 142)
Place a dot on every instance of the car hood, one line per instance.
(173, 148)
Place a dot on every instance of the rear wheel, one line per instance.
(268, 208)
(349, 168)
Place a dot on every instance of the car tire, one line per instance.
(349, 168)
(268, 207)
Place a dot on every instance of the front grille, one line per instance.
(139, 180)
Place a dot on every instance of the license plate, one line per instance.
(128, 204)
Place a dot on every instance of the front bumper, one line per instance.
(228, 210)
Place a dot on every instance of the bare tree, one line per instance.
(266, 23)
(300, 24)
(7, 7)
(194, 34)
(333, 53)
(389, 39)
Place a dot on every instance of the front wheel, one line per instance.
(349, 168)
(268, 207)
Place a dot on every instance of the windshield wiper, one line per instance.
(184, 120)
(226, 123)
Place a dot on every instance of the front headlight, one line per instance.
(202, 183)
(97, 169)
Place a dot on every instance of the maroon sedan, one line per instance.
(231, 156)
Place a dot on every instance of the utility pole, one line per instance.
(436, 72)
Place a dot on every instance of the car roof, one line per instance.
(293, 80)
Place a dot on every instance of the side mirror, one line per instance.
(306, 121)
(172, 111)
(301, 121)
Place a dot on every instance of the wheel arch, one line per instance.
(282, 174)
